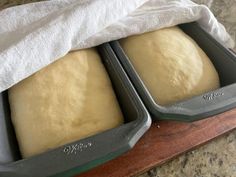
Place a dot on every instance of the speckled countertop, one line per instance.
(218, 157)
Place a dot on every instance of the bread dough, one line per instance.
(69, 100)
(171, 65)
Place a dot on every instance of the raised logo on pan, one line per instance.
(212, 96)
(76, 148)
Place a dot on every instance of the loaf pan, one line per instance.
(79, 156)
(198, 107)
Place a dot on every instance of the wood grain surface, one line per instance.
(164, 141)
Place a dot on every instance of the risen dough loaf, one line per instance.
(172, 66)
(69, 100)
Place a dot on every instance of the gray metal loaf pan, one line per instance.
(201, 106)
(82, 155)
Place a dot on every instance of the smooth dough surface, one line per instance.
(69, 100)
(170, 63)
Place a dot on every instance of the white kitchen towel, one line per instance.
(34, 35)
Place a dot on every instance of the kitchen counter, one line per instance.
(216, 158)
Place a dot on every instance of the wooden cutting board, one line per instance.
(164, 141)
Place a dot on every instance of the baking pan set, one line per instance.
(87, 153)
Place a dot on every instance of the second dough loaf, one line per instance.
(172, 66)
